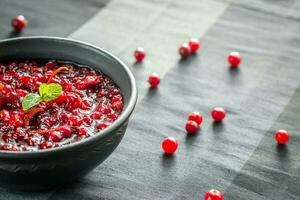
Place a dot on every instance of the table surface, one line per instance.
(239, 156)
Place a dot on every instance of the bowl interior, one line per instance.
(80, 53)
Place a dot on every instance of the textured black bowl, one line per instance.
(48, 168)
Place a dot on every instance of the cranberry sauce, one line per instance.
(89, 102)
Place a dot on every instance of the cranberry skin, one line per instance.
(116, 98)
(19, 22)
(154, 80)
(46, 145)
(139, 54)
(282, 136)
(112, 116)
(184, 50)
(194, 45)
(85, 105)
(101, 126)
(82, 132)
(66, 131)
(16, 120)
(55, 136)
(169, 145)
(191, 127)
(61, 99)
(118, 105)
(75, 121)
(218, 114)
(197, 117)
(96, 115)
(213, 194)
(234, 59)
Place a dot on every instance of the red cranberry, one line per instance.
(85, 105)
(6, 137)
(154, 80)
(96, 115)
(50, 65)
(116, 98)
(22, 93)
(55, 136)
(169, 145)
(75, 121)
(65, 130)
(87, 121)
(234, 59)
(25, 79)
(213, 195)
(82, 132)
(195, 116)
(102, 126)
(19, 22)
(112, 116)
(48, 74)
(9, 147)
(139, 54)
(4, 115)
(61, 99)
(218, 114)
(194, 45)
(16, 120)
(46, 145)
(92, 80)
(31, 141)
(19, 134)
(118, 105)
(191, 127)
(282, 136)
(184, 50)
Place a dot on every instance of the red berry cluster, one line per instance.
(189, 48)
(194, 120)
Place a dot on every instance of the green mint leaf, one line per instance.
(30, 100)
(50, 91)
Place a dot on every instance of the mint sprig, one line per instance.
(50, 91)
(47, 92)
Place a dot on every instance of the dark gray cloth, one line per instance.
(239, 156)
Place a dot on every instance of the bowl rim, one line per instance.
(115, 125)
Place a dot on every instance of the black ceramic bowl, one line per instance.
(47, 168)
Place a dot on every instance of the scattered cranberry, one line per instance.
(194, 45)
(195, 116)
(154, 80)
(139, 54)
(218, 114)
(184, 50)
(19, 22)
(191, 127)
(169, 145)
(234, 59)
(282, 136)
(213, 194)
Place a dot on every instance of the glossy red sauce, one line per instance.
(89, 103)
